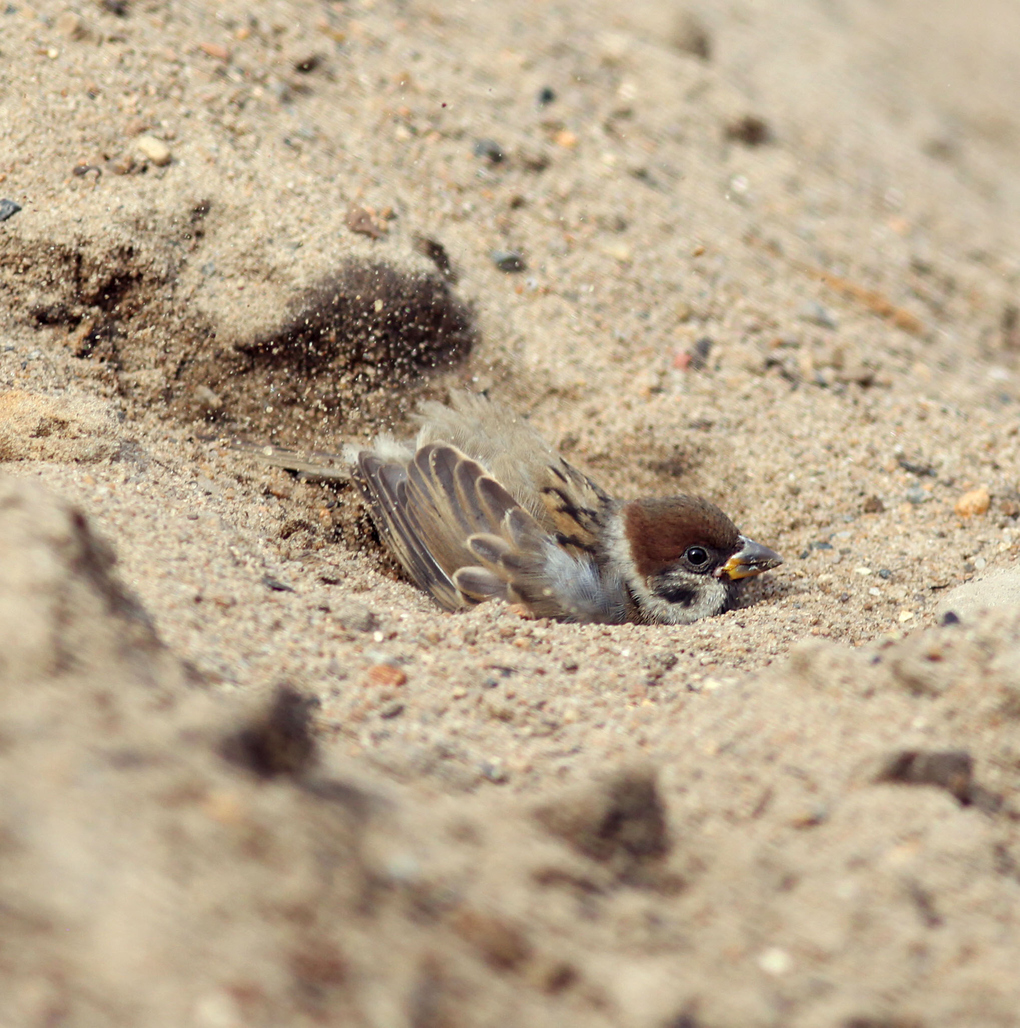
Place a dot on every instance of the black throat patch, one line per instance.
(681, 595)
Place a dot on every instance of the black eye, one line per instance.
(697, 556)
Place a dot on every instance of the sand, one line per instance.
(766, 253)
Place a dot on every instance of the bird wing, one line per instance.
(574, 506)
(433, 511)
(384, 488)
(567, 503)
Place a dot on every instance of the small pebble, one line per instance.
(915, 494)
(154, 150)
(873, 505)
(810, 817)
(775, 961)
(699, 354)
(356, 617)
(71, 25)
(493, 770)
(619, 252)
(308, 64)
(817, 314)
(392, 709)
(545, 96)
(385, 675)
(533, 161)
(751, 131)
(365, 221)
(973, 503)
(490, 150)
(8, 208)
(509, 261)
(207, 400)
(216, 50)
(916, 467)
(123, 165)
(436, 252)
(275, 584)
(1010, 508)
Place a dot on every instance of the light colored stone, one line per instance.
(71, 25)
(974, 502)
(207, 400)
(154, 150)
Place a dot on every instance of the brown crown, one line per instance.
(660, 530)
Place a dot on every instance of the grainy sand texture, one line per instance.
(762, 251)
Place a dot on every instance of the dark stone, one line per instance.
(490, 150)
(308, 64)
(749, 130)
(699, 354)
(916, 467)
(436, 253)
(8, 208)
(509, 261)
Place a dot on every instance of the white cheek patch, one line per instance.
(710, 595)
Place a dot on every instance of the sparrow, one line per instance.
(480, 507)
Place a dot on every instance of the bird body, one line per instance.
(479, 506)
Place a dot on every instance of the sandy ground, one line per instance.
(766, 252)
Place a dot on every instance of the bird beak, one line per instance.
(751, 559)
